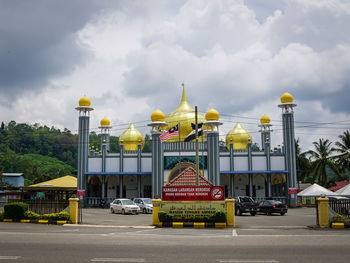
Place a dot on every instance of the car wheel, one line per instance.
(112, 211)
(123, 212)
(239, 212)
(282, 213)
(252, 213)
(144, 211)
(268, 213)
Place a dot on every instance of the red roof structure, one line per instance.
(188, 178)
(338, 185)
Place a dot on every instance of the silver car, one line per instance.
(124, 206)
(145, 204)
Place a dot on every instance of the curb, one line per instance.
(37, 221)
(191, 224)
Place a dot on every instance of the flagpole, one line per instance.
(179, 145)
(197, 158)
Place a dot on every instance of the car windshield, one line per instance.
(147, 201)
(127, 202)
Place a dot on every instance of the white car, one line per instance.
(124, 206)
(145, 204)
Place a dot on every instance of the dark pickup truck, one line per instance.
(245, 204)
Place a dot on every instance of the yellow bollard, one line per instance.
(323, 214)
(230, 212)
(155, 211)
(73, 210)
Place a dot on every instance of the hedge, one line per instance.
(2, 215)
(218, 217)
(15, 210)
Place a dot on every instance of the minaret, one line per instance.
(212, 123)
(289, 144)
(265, 129)
(158, 126)
(105, 127)
(83, 140)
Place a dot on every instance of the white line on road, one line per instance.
(118, 260)
(234, 233)
(9, 257)
(247, 261)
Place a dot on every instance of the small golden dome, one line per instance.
(131, 138)
(84, 102)
(212, 115)
(184, 115)
(286, 98)
(105, 122)
(265, 119)
(239, 137)
(157, 115)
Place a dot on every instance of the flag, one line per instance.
(192, 135)
(170, 133)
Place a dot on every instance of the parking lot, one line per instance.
(297, 217)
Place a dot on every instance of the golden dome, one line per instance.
(286, 98)
(105, 122)
(212, 115)
(265, 119)
(239, 137)
(183, 114)
(131, 138)
(84, 102)
(157, 115)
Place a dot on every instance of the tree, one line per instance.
(343, 147)
(321, 159)
(302, 163)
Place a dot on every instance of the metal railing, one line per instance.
(341, 206)
(44, 206)
(96, 201)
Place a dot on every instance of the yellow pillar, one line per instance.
(155, 211)
(73, 210)
(323, 214)
(230, 212)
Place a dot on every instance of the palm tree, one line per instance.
(302, 162)
(343, 159)
(321, 158)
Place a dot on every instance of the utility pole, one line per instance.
(197, 158)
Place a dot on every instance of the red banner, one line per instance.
(80, 192)
(193, 193)
(292, 191)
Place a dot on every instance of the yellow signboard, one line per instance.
(186, 209)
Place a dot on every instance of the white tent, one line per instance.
(316, 190)
(344, 190)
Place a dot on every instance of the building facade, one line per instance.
(240, 168)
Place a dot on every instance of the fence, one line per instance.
(340, 206)
(44, 206)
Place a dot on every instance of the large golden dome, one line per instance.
(286, 98)
(84, 102)
(131, 138)
(239, 137)
(183, 114)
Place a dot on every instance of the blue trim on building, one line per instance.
(255, 172)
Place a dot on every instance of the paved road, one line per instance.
(71, 243)
(295, 217)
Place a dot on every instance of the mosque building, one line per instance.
(241, 169)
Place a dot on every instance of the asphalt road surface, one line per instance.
(98, 243)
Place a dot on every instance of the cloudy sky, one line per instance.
(130, 58)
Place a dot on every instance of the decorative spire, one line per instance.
(183, 99)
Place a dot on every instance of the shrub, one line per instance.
(15, 210)
(165, 217)
(2, 215)
(338, 218)
(56, 216)
(219, 217)
(31, 215)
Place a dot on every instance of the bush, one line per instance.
(218, 217)
(56, 216)
(165, 217)
(31, 215)
(15, 210)
(338, 218)
(2, 215)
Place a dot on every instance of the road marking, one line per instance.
(118, 260)
(9, 257)
(109, 226)
(234, 233)
(247, 261)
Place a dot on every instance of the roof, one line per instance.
(65, 182)
(12, 174)
(338, 185)
(316, 190)
(188, 178)
(344, 191)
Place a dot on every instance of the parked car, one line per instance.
(245, 204)
(145, 204)
(271, 206)
(124, 206)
